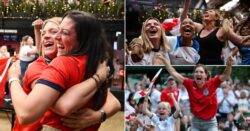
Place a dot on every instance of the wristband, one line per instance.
(13, 79)
(103, 116)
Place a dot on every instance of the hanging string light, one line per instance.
(58, 8)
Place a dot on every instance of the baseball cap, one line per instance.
(170, 78)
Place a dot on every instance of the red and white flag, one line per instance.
(172, 25)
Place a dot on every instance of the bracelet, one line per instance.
(13, 79)
(103, 115)
(96, 81)
(98, 77)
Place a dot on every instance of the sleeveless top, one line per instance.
(210, 48)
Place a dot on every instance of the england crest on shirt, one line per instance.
(205, 92)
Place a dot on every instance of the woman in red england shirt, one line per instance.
(202, 94)
(48, 29)
(81, 46)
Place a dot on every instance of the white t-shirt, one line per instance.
(225, 106)
(178, 55)
(148, 58)
(128, 108)
(145, 120)
(183, 94)
(243, 105)
(172, 40)
(155, 98)
(163, 125)
(226, 52)
(24, 51)
(182, 55)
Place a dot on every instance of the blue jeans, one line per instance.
(198, 124)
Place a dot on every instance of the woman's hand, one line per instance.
(246, 38)
(229, 61)
(170, 69)
(137, 53)
(82, 119)
(157, 60)
(228, 70)
(38, 24)
(103, 71)
(160, 57)
(15, 70)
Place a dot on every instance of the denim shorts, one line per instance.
(198, 124)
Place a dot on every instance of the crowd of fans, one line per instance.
(233, 98)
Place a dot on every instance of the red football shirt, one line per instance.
(165, 95)
(32, 73)
(50, 118)
(203, 102)
(62, 73)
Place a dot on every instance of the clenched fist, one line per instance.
(136, 49)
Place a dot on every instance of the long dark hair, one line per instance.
(92, 42)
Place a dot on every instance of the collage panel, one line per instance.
(187, 98)
(133, 65)
(201, 40)
(187, 32)
(61, 65)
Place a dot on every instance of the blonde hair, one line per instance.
(147, 44)
(136, 42)
(55, 20)
(24, 40)
(226, 26)
(166, 105)
(217, 19)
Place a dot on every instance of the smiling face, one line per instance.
(171, 83)
(200, 76)
(163, 109)
(210, 15)
(66, 37)
(153, 29)
(48, 39)
(187, 29)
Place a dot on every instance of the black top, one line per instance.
(210, 49)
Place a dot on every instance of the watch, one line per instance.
(103, 115)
